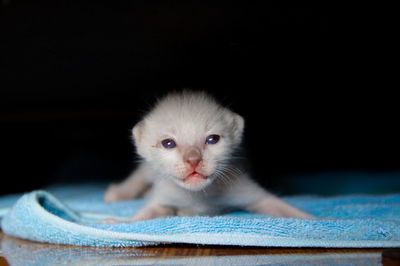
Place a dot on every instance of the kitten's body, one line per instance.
(187, 144)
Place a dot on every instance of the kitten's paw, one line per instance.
(114, 193)
(311, 217)
(153, 211)
(115, 221)
(110, 221)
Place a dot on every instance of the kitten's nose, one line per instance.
(193, 157)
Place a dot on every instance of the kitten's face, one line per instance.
(189, 142)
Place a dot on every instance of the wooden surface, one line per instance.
(19, 252)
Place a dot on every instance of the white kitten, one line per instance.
(187, 143)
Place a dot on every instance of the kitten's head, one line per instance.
(188, 136)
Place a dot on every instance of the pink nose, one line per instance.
(193, 163)
(193, 157)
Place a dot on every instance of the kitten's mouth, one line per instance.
(195, 181)
(194, 178)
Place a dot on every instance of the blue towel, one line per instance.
(72, 215)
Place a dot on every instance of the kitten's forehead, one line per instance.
(189, 122)
(187, 116)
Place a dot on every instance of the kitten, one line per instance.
(187, 144)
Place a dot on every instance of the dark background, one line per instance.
(311, 82)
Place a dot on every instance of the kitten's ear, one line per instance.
(237, 126)
(138, 131)
(138, 136)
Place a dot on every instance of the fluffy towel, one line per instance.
(72, 215)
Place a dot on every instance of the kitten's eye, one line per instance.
(212, 139)
(168, 143)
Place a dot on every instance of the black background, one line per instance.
(311, 81)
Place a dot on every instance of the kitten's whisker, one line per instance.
(224, 177)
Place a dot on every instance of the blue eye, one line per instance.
(168, 143)
(212, 139)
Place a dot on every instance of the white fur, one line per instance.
(188, 118)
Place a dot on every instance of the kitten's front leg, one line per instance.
(150, 211)
(134, 186)
(252, 197)
(272, 205)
